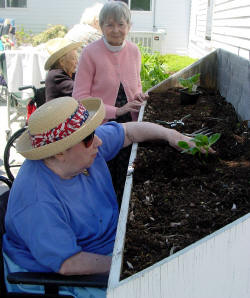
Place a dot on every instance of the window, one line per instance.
(143, 5)
(140, 5)
(13, 3)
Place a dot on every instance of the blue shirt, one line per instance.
(49, 219)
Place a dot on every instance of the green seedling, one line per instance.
(190, 83)
(202, 142)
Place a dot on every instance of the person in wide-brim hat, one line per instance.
(62, 210)
(57, 48)
(61, 66)
(55, 128)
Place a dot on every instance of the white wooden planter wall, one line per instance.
(217, 266)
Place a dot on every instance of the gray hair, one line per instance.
(91, 14)
(116, 10)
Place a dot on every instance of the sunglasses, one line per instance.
(89, 140)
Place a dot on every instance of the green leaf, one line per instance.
(194, 150)
(189, 82)
(201, 138)
(202, 142)
(183, 82)
(183, 145)
(213, 138)
(185, 151)
(194, 79)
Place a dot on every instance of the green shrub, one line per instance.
(156, 67)
(23, 37)
(153, 70)
(50, 33)
(26, 37)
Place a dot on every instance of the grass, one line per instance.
(175, 62)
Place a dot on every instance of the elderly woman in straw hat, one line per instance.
(62, 213)
(61, 66)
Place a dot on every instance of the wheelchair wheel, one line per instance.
(12, 159)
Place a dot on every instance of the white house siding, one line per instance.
(171, 16)
(230, 27)
(142, 20)
(40, 13)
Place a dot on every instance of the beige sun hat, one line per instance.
(58, 125)
(58, 47)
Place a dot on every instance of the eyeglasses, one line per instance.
(89, 140)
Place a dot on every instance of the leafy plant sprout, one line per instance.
(202, 142)
(190, 83)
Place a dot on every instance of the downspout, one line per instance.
(154, 17)
(189, 22)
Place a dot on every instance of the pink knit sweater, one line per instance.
(101, 71)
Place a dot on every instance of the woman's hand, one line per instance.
(132, 106)
(174, 137)
(141, 97)
(136, 132)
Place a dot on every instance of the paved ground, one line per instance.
(3, 128)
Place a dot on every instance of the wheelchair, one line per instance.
(12, 160)
(50, 281)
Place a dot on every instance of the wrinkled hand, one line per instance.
(141, 97)
(132, 106)
(175, 136)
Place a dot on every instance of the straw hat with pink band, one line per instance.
(59, 125)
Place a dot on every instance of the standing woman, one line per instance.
(61, 66)
(109, 68)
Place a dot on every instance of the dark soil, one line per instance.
(178, 198)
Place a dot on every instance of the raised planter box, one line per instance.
(219, 264)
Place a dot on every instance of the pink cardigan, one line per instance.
(100, 72)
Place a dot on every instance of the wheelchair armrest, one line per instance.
(55, 279)
(7, 181)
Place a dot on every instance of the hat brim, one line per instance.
(58, 54)
(96, 115)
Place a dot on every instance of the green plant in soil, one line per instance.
(190, 83)
(202, 142)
